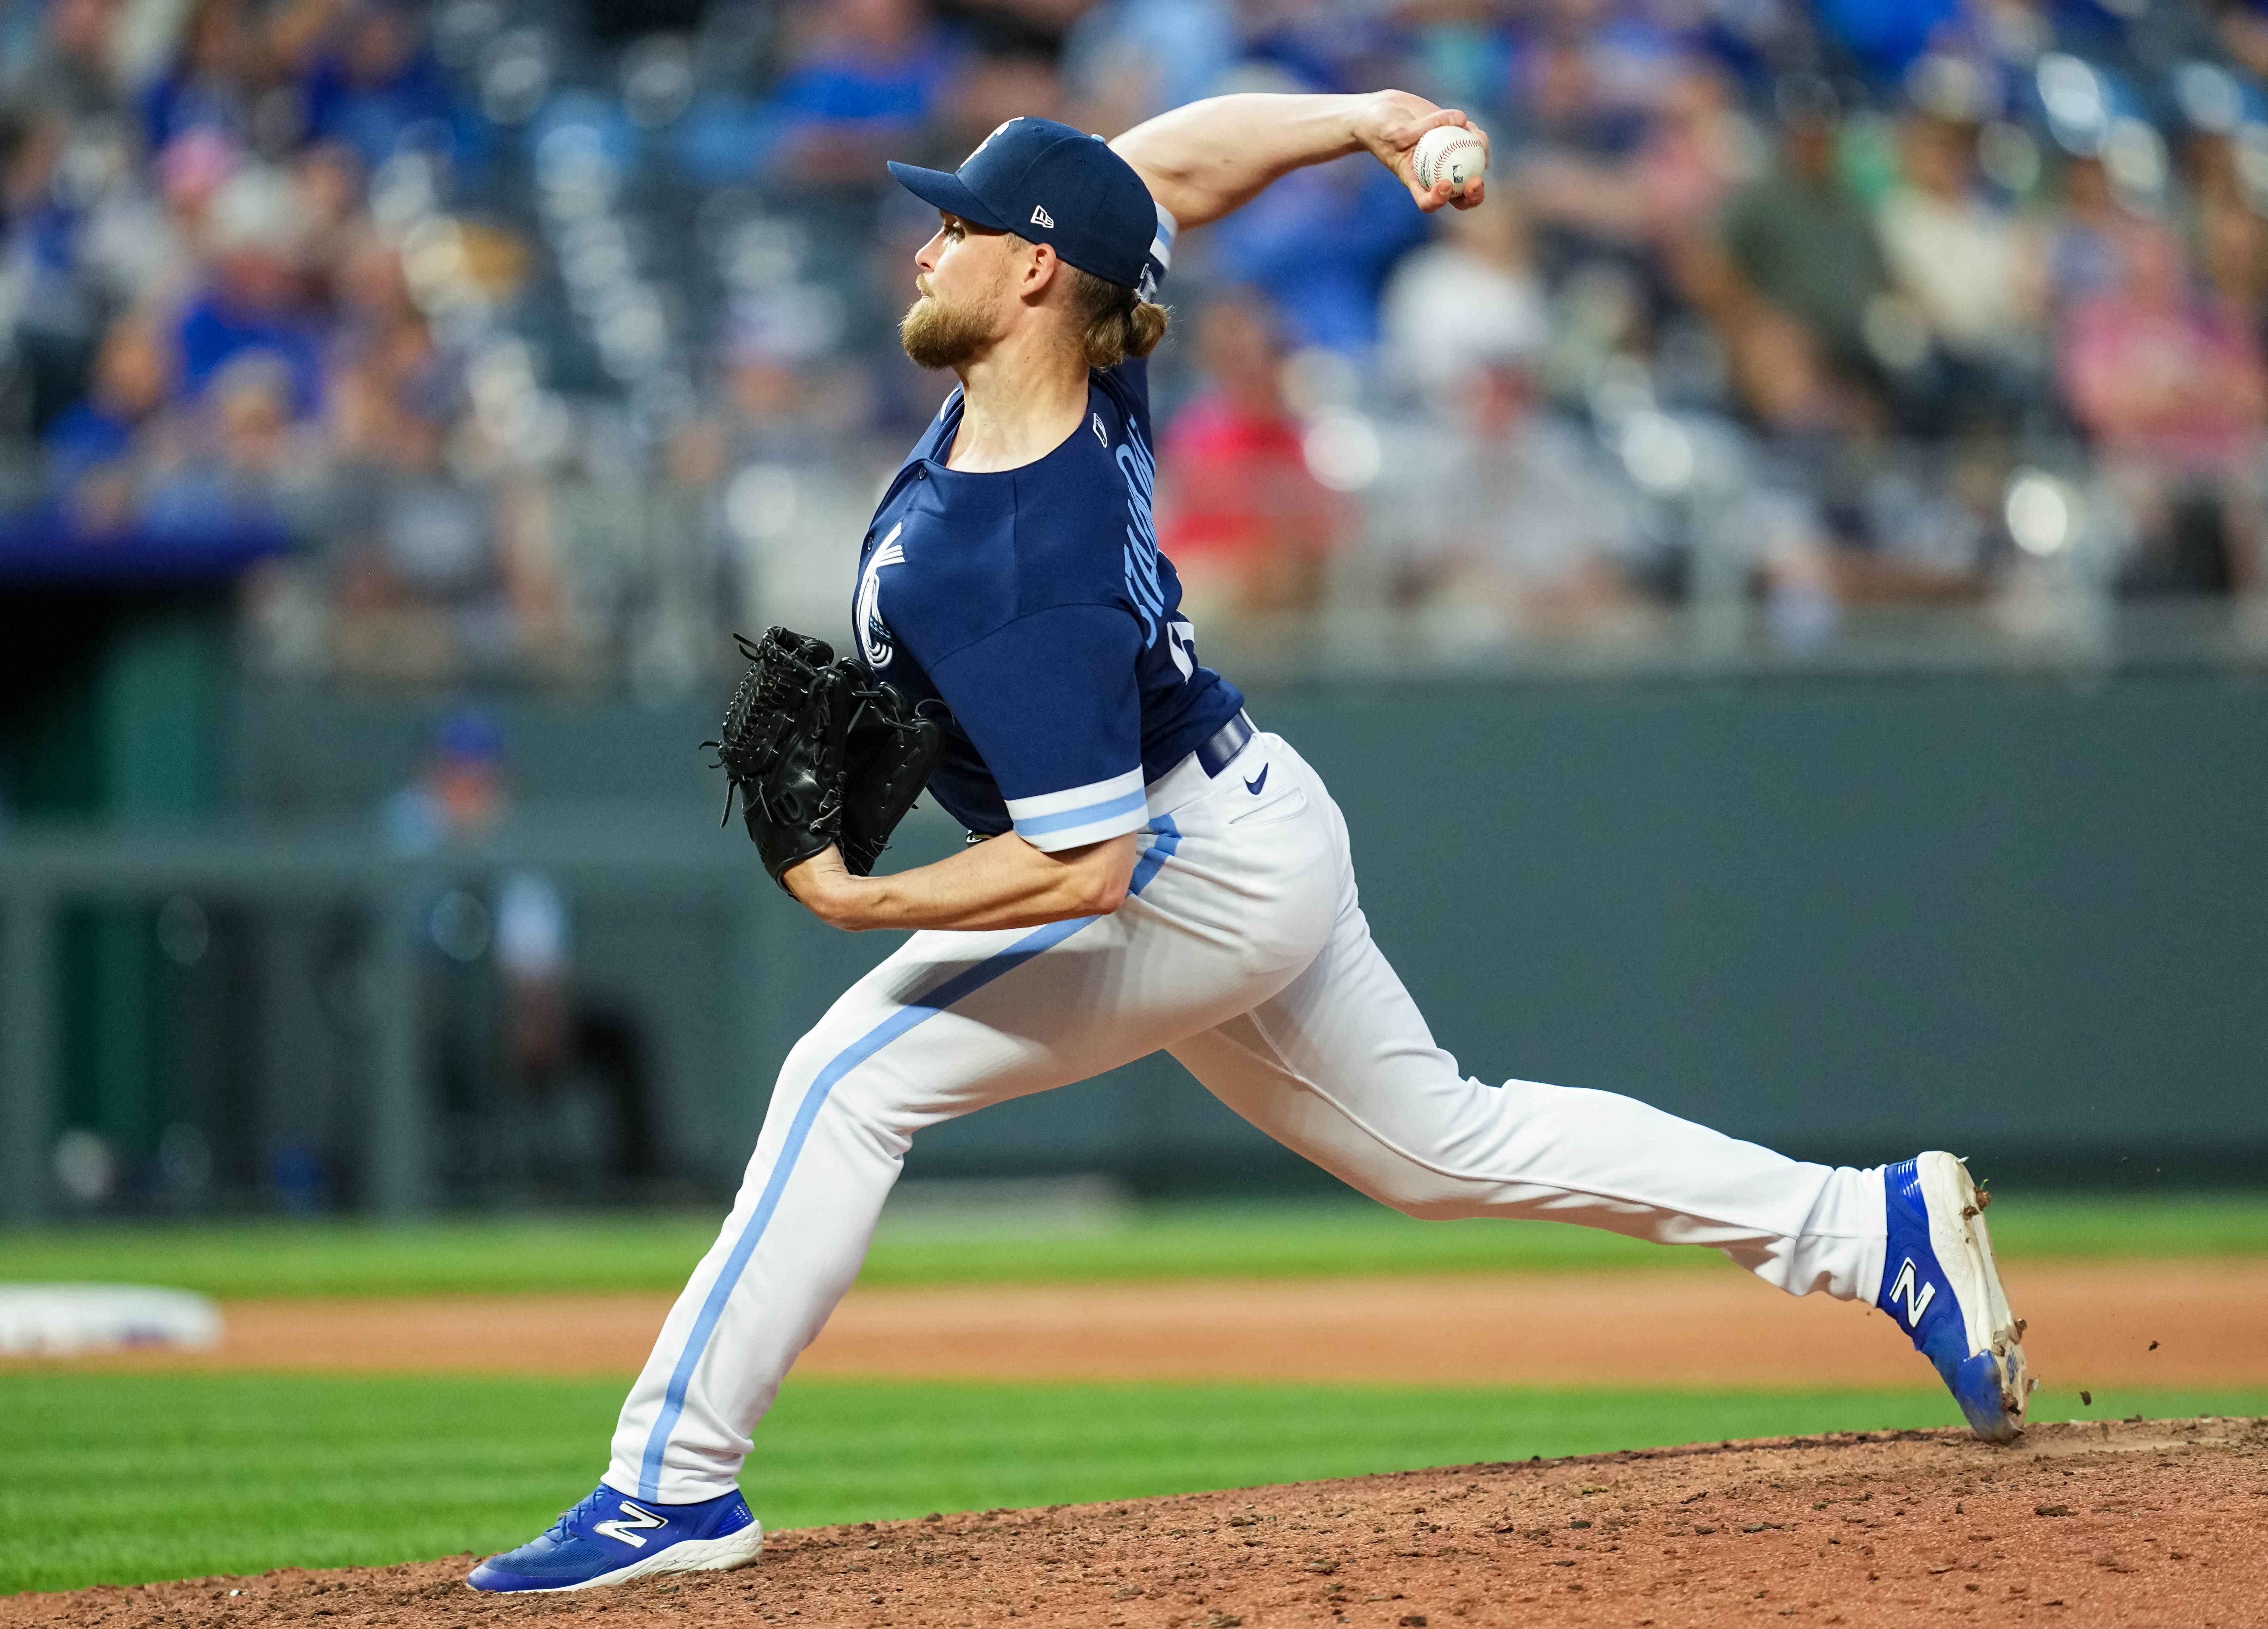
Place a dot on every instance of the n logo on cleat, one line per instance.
(630, 1524)
(1917, 1294)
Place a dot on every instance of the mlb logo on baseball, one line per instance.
(1450, 153)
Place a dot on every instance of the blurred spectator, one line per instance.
(1507, 518)
(462, 789)
(1319, 244)
(256, 272)
(327, 179)
(2172, 393)
(254, 300)
(421, 584)
(1470, 294)
(371, 84)
(867, 76)
(1664, 196)
(2087, 237)
(381, 350)
(1246, 524)
(90, 446)
(782, 407)
(1962, 263)
(209, 88)
(2229, 235)
(1883, 37)
(533, 940)
(53, 314)
(132, 377)
(581, 1061)
(1559, 108)
(135, 227)
(1800, 244)
(1698, 149)
(994, 88)
(62, 61)
(1130, 59)
(1322, 45)
(235, 460)
(1954, 254)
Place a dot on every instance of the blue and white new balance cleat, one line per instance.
(611, 1538)
(1940, 1283)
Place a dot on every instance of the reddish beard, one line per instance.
(940, 336)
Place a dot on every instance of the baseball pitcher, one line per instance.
(1154, 869)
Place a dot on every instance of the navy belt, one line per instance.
(1219, 749)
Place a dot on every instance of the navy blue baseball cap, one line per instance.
(1053, 185)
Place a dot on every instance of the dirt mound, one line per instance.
(2144, 1523)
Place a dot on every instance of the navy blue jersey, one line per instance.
(1035, 605)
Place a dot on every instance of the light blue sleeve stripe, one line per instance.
(712, 1307)
(1040, 825)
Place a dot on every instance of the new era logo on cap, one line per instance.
(1110, 222)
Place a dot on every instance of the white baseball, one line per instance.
(1453, 151)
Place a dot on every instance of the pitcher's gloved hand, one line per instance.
(886, 762)
(821, 752)
(782, 747)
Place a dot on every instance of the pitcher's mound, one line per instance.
(2148, 1522)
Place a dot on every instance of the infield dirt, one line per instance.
(2094, 1324)
(2141, 1522)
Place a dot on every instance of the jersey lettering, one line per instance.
(875, 645)
(1142, 585)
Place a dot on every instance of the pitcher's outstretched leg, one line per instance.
(1340, 1067)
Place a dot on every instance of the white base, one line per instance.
(59, 1320)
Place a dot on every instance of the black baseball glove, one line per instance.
(781, 748)
(886, 763)
(821, 752)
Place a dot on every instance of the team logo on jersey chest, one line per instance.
(875, 645)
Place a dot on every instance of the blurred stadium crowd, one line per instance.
(550, 341)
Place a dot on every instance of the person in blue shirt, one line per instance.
(1154, 871)
(132, 374)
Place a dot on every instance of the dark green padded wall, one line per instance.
(2028, 920)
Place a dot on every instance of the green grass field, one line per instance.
(1320, 1239)
(116, 1478)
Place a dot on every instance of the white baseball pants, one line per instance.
(1241, 949)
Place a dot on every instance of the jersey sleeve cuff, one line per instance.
(1160, 258)
(1077, 816)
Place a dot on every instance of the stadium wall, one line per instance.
(2026, 919)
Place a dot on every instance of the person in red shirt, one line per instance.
(2174, 395)
(1250, 529)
